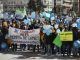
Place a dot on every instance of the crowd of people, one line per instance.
(50, 26)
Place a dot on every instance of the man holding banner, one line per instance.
(64, 41)
(67, 39)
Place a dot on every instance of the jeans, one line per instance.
(23, 46)
(48, 49)
(34, 48)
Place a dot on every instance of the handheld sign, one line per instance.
(66, 36)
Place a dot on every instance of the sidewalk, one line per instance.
(33, 56)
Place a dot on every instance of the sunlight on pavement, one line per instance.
(13, 57)
(7, 56)
(18, 57)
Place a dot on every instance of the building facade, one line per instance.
(12, 5)
(79, 7)
(68, 4)
(1, 7)
(60, 5)
(76, 6)
(63, 6)
(49, 4)
(1, 10)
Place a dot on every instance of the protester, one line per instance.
(52, 37)
(1, 38)
(50, 25)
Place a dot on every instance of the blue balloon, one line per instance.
(3, 45)
(26, 21)
(52, 18)
(47, 31)
(44, 31)
(78, 25)
(76, 44)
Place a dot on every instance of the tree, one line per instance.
(54, 6)
(35, 5)
(39, 5)
(31, 5)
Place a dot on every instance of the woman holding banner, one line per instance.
(52, 37)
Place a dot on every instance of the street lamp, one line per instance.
(54, 6)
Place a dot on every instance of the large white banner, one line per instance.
(25, 36)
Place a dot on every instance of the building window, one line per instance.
(9, 2)
(1, 2)
(45, 1)
(14, 2)
(58, 0)
(0, 8)
(5, 7)
(21, 2)
(4, 2)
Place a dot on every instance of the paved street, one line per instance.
(32, 56)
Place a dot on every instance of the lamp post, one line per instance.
(54, 6)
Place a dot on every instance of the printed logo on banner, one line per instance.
(16, 30)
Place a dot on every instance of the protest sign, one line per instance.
(25, 36)
(66, 36)
(57, 41)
